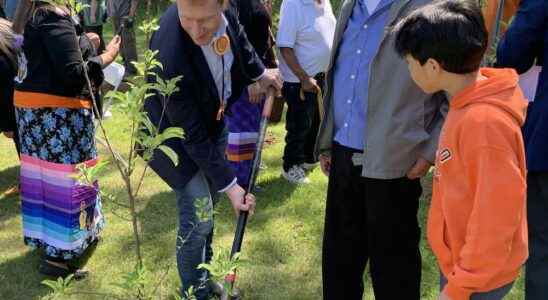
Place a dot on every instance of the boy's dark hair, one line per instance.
(450, 31)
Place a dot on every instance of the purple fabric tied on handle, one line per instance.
(19, 41)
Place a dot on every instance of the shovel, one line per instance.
(242, 219)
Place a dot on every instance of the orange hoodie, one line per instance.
(477, 225)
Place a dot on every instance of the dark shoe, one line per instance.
(220, 293)
(216, 288)
(49, 269)
(236, 294)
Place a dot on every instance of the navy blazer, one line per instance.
(194, 107)
(525, 42)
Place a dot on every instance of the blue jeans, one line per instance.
(496, 294)
(195, 203)
(11, 6)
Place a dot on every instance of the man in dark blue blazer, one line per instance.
(526, 43)
(203, 42)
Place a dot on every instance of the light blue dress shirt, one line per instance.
(215, 63)
(359, 45)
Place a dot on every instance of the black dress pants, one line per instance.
(536, 270)
(302, 124)
(370, 220)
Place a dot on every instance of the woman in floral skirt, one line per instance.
(55, 122)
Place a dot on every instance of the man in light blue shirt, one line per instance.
(359, 46)
(378, 138)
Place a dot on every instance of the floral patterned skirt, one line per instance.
(60, 215)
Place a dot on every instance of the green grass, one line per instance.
(282, 246)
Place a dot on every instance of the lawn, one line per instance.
(282, 247)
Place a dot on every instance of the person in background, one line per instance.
(525, 45)
(93, 18)
(490, 10)
(243, 119)
(53, 104)
(123, 13)
(2, 11)
(305, 39)
(10, 46)
(480, 176)
(377, 139)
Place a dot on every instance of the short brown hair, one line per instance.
(222, 3)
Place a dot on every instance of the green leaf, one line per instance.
(68, 280)
(203, 209)
(148, 125)
(170, 153)
(52, 284)
(172, 132)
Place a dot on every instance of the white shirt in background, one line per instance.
(308, 28)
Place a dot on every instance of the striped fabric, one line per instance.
(241, 145)
(243, 130)
(57, 211)
(60, 216)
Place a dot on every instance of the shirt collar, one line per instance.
(309, 2)
(381, 4)
(222, 29)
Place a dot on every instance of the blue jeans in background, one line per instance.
(11, 6)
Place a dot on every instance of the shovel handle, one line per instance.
(269, 102)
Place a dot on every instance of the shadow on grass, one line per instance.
(274, 274)
(9, 204)
(19, 278)
(275, 191)
(159, 223)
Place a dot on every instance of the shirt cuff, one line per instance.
(281, 44)
(456, 293)
(229, 186)
(260, 76)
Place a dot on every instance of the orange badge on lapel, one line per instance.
(221, 44)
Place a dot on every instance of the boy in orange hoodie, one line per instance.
(477, 223)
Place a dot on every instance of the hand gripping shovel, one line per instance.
(242, 219)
